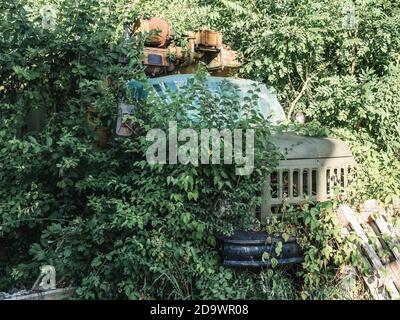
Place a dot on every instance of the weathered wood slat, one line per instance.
(396, 202)
(394, 269)
(382, 245)
(371, 282)
(56, 294)
(381, 223)
(384, 229)
(348, 215)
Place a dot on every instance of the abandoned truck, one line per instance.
(309, 166)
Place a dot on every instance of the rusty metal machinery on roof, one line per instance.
(165, 52)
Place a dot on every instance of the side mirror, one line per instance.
(124, 129)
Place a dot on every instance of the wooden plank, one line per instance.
(348, 213)
(370, 204)
(395, 207)
(382, 244)
(371, 282)
(384, 229)
(382, 225)
(368, 208)
(55, 294)
(375, 237)
(396, 203)
(394, 269)
(365, 215)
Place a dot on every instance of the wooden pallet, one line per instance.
(373, 229)
(54, 294)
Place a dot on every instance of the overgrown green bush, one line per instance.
(61, 72)
(115, 225)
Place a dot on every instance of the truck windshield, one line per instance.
(268, 104)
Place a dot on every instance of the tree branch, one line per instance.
(294, 102)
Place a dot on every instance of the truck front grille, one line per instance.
(295, 180)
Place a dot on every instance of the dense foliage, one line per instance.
(118, 227)
(60, 70)
(342, 79)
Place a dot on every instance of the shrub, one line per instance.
(104, 217)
